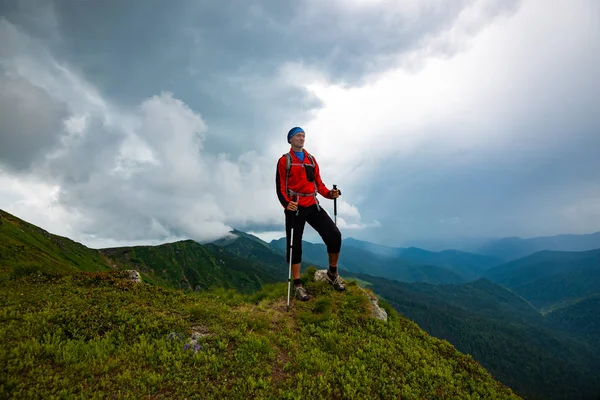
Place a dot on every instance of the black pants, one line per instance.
(320, 221)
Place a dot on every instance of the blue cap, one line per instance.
(293, 131)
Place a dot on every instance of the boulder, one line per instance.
(134, 276)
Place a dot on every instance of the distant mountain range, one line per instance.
(512, 248)
(402, 264)
(551, 279)
(414, 264)
(357, 260)
(467, 265)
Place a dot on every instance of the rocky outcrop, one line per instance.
(378, 312)
(134, 276)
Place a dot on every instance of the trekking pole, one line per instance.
(335, 207)
(291, 248)
(290, 274)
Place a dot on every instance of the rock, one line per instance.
(377, 312)
(134, 276)
(321, 275)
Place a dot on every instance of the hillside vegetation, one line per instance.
(579, 320)
(542, 355)
(539, 357)
(25, 247)
(551, 279)
(192, 266)
(96, 335)
(74, 326)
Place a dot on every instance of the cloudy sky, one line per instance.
(143, 122)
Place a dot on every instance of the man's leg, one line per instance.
(333, 262)
(297, 222)
(296, 273)
(329, 232)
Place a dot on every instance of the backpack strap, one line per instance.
(288, 158)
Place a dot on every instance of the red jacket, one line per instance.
(298, 182)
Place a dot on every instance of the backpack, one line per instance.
(312, 164)
(288, 158)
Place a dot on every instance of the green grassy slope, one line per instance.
(245, 264)
(94, 335)
(190, 265)
(25, 247)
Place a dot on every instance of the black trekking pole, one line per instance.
(335, 206)
(291, 247)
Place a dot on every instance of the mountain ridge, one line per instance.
(357, 260)
(547, 278)
(511, 248)
(83, 334)
(257, 259)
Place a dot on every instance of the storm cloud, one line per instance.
(142, 122)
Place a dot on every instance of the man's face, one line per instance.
(298, 139)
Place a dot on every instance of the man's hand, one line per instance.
(292, 206)
(334, 193)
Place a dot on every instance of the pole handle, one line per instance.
(295, 200)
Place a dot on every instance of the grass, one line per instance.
(359, 282)
(92, 335)
(75, 328)
(25, 249)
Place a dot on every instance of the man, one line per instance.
(297, 191)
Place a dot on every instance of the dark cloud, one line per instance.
(172, 106)
(224, 59)
(31, 122)
(521, 189)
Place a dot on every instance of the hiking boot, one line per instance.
(336, 281)
(301, 293)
